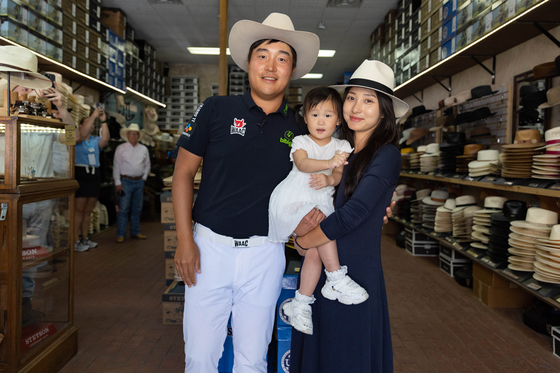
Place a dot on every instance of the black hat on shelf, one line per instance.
(526, 90)
(533, 100)
(481, 91)
(529, 116)
(419, 110)
(515, 209)
(465, 117)
(481, 113)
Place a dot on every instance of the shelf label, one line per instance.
(532, 284)
(488, 261)
(70, 131)
(507, 272)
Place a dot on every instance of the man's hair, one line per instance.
(258, 43)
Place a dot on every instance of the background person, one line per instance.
(357, 338)
(88, 176)
(131, 166)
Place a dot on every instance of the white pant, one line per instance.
(245, 282)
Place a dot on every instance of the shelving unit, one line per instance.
(238, 81)
(181, 104)
(525, 26)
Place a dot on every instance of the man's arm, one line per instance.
(117, 169)
(146, 164)
(187, 256)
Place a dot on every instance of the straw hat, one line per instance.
(463, 202)
(526, 139)
(279, 27)
(462, 97)
(421, 194)
(132, 127)
(437, 198)
(379, 77)
(165, 137)
(24, 64)
(405, 135)
(538, 219)
(416, 134)
(151, 128)
(491, 204)
(553, 239)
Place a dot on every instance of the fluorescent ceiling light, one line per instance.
(210, 51)
(326, 53)
(130, 90)
(312, 76)
(206, 51)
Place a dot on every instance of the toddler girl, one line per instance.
(319, 160)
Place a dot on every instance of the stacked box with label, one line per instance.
(79, 40)
(283, 328)
(419, 244)
(450, 260)
(295, 96)
(116, 61)
(181, 104)
(13, 21)
(407, 40)
(169, 236)
(148, 77)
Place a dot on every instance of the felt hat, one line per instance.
(470, 150)
(478, 132)
(553, 98)
(419, 110)
(22, 66)
(544, 69)
(279, 27)
(404, 117)
(416, 134)
(462, 97)
(533, 100)
(481, 91)
(526, 139)
(132, 127)
(515, 209)
(379, 77)
(481, 113)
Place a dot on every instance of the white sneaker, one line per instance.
(78, 246)
(89, 243)
(300, 316)
(345, 290)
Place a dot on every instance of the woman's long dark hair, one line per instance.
(384, 133)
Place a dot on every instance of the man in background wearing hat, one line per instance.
(131, 165)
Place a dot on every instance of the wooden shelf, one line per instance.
(487, 185)
(505, 37)
(553, 301)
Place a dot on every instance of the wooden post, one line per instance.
(222, 90)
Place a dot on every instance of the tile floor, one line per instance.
(438, 326)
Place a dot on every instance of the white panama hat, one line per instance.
(276, 26)
(22, 66)
(132, 127)
(376, 75)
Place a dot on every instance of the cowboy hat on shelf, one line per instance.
(379, 77)
(164, 137)
(276, 26)
(132, 127)
(21, 64)
(151, 128)
(553, 98)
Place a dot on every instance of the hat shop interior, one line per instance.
(471, 253)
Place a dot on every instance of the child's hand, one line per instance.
(337, 161)
(319, 181)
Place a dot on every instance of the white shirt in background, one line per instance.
(131, 161)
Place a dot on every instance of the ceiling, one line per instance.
(171, 28)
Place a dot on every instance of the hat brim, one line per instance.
(245, 32)
(30, 80)
(125, 130)
(546, 105)
(488, 94)
(399, 106)
(151, 130)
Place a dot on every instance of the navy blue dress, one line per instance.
(354, 338)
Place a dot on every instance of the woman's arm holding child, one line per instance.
(306, 164)
(319, 181)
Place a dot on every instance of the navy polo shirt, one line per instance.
(246, 155)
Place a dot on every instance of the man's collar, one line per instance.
(250, 103)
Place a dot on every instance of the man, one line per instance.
(131, 165)
(227, 264)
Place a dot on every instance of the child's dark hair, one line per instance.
(318, 95)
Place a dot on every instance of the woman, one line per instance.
(88, 175)
(357, 338)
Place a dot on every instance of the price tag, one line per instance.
(70, 134)
(557, 298)
(458, 246)
(532, 284)
(508, 183)
(434, 234)
(488, 261)
(473, 253)
(555, 186)
(507, 272)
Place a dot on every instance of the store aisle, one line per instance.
(438, 326)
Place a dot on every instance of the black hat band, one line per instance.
(371, 84)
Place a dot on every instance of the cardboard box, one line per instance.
(424, 62)
(448, 49)
(14, 9)
(511, 297)
(479, 27)
(436, 38)
(170, 237)
(416, 237)
(450, 266)
(521, 5)
(289, 286)
(465, 15)
(449, 10)
(480, 6)
(284, 336)
(555, 332)
(115, 20)
(489, 277)
(13, 30)
(170, 265)
(449, 30)
(435, 56)
(437, 18)
(167, 215)
(37, 43)
(173, 300)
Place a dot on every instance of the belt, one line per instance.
(230, 241)
(131, 177)
(87, 167)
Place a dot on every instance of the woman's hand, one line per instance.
(309, 221)
(187, 262)
(319, 181)
(54, 96)
(389, 212)
(102, 115)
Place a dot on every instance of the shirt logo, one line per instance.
(287, 139)
(190, 127)
(238, 127)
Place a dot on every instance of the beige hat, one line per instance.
(537, 218)
(132, 127)
(420, 194)
(553, 98)
(437, 198)
(462, 97)
(151, 128)
(463, 202)
(492, 203)
(488, 155)
(279, 27)
(379, 77)
(554, 239)
(22, 66)
(526, 139)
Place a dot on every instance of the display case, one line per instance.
(36, 238)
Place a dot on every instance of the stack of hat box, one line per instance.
(283, 328)
(295, 96)
(238, 81)
(450, 260)
(377, 39)
(150, 80)
(35, 24)
(407, 40)
(181, 104)
(85, 49)
(419, 244)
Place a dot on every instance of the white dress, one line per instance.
(292, 199)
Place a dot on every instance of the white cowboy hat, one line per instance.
(22, 66)
(151, 128)
(165, 137)
(132, 127)
(538, 219)
(276, 26)
(376, 75)
(151, 114)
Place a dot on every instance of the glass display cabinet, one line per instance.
(36, 239)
